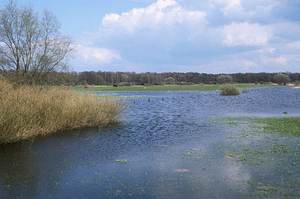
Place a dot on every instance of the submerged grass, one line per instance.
(28, 111)
(284, 125)
(267, 149)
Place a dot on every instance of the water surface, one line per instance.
(168, 145)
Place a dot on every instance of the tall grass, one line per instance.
(28, 111)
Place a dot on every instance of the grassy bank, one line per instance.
(138, 88)
(28, 111)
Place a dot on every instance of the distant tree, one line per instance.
(170, 80)
(281, 78)
(31, 45)
(223, 79)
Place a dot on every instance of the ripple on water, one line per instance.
(167, 146)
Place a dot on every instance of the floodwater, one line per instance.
(168, 145)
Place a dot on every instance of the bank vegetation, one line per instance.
(30, 111)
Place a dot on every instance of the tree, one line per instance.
(31, 45)
(170, 80)
(281, 78)
(223, 79)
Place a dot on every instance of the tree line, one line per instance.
(131, 78)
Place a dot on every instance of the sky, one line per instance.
(209, 36)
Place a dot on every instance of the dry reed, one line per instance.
(28, 111)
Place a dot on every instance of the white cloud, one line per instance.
(90, 55)
(214, 36)
(246, 34)
(228, 6)
(159, 14)
(279, 60)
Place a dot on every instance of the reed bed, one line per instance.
(29, 111)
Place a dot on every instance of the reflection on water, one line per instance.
(172, 147)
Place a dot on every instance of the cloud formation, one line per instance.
(91, 56)
(203, 36)
(246, 34)
(158, 15)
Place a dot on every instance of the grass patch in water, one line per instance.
(194, 153)
(254, 155)
(121, 161)
(29, 111)
(266, 151)
(266, 190)
(284, 125)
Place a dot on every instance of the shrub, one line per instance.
(28, 111)
(229, 90)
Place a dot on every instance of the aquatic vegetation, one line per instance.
(266, 151)
(271, 190)
(29, 111)
(194, 153)
(122, 161)
(284, 125)
(265, 190)
(231, 121)
(260, 154)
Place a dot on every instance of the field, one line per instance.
(137, 88)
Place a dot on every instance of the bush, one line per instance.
(229, 90)
(28, 111)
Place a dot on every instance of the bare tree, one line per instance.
(29, 44)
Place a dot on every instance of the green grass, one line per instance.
(137, 88)
(266, 152)
(121, 161)
(284, 125)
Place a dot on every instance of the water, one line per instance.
(168, 145)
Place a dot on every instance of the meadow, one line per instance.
(154, 88)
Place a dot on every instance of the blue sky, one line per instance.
(210, 36)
